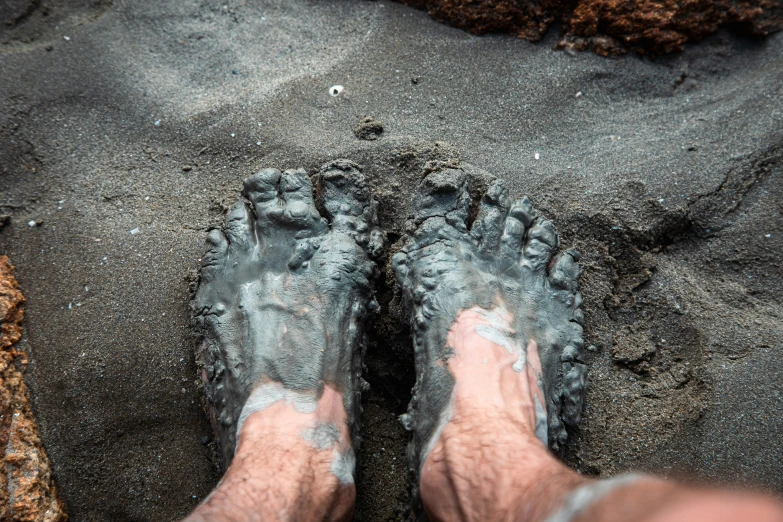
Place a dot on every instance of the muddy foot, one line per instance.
(505, 270)
(284, 296)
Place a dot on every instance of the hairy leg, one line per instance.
(284, 468)
(282, 305)
(489, 465)
(496, 318)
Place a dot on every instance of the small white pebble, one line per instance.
(157, 122)
(660, 200)
(537, 156)
(147, 198)
(258, 143)
(31, 223)
(69, 306)
(67, 38)
(578, 94)
(768, 235)
(232, 134)
(134, 231)
(336, 90)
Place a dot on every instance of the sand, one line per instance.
(665, 175)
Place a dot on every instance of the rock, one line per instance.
(609, 27)
(26, 470)
(368, 129)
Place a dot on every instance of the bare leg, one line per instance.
(489, 465)
(277, 473)
(496, 320)
(282, 306)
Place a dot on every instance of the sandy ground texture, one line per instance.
(126, 130)
(27, 491)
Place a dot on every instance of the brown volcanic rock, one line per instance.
(27, 491)
(610, 27)
(526, 19)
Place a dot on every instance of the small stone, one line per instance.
(134, 231)
(187, 168)
(336, 90)
(368, 129)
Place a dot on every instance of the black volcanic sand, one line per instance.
(665, 174)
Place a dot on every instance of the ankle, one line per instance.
(288, 465)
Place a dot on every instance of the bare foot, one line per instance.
(282, 306)
(497, 332)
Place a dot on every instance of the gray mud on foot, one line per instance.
(285, 294)
(506, 261)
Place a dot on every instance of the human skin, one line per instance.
(487, 465)
(281, 311)
(497, 331)
(277, 474)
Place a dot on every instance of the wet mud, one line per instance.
(285, 295)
